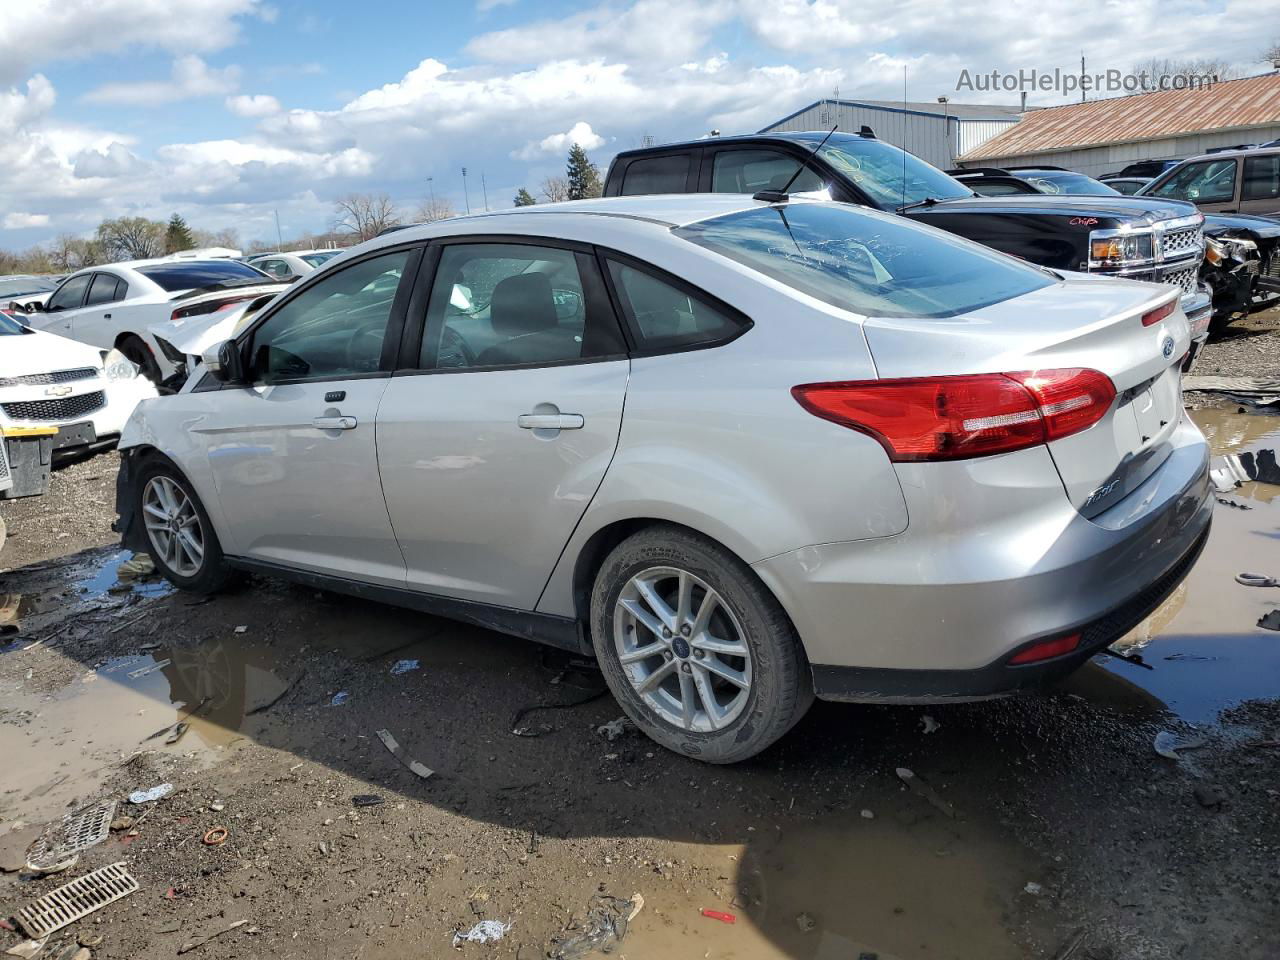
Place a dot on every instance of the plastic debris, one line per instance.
(397, 751)
(339, 698)
(930, 725)
(158, 792)
(605, 924)
(868, 815)
(176, 734)
(242, 629)
(27, 949)
(216, 837)
(201, 941)
(137, 567)
(614, 729)
(366, 800)
(1033, 888)
(925, 792)
(1271, 621)
(486, 931)
(148, 669)
(1168, 744)
(719, 915)
(1257, 580)
(404, 666)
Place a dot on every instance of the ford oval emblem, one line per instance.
(1167, 347)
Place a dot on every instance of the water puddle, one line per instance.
(61, 747)
(1204, 643)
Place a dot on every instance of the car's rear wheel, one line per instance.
(140, 356)
(183, 543)
(694, 647)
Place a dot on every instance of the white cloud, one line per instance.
(558, 143)
(33, 32)
(190, 77)
(255, 105)
(115, 160)
(21, 221)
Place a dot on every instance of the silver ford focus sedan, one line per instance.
(744, 453)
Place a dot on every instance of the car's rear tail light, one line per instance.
(1046, 649)
(207, 307)
(953, 418)
(1152, 317)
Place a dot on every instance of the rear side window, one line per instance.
(194, 274)
(873, 264)
(664, 316)
(749, 171)
(102, 290)
(667, 174)
(1261, 178)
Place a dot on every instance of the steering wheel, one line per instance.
(454, 350)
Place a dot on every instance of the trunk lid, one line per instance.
(1091, 322)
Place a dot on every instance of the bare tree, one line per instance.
(555, 189)
(226, 237)
(362, 216)
(1272, 53)
(1156, 67)
(69, 253)
(131, 238)
(434, 209)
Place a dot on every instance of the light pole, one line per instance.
(485, 191)
(466, 196)
(279, 237)
(432, 187)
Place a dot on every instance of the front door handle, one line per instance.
(334, 423)
(550, 421)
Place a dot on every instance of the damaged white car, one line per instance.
(58, 397)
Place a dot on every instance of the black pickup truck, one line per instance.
(1136, 237)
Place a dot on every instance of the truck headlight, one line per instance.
(118, 367)
(1121, 250)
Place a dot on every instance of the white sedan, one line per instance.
(114, 305)
(58, 396)
(295, 263)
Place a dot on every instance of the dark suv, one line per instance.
(1139, 238)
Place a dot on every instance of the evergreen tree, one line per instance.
(524, 198)
(582, 174)
(177, 235)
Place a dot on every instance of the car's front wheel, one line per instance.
(183, 543)
(694, 647)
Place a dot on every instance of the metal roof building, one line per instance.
(1101, 136)
(935, 132)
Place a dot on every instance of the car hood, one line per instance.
(38, 352)
(1267, 228)
(1142, 209)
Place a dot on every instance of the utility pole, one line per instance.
(946, 128)
(485, 191)
(466, 196)
(1082, 96)
(432, 187)
(279, 237)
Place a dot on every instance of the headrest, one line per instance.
(523, 304)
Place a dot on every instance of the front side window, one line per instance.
(70, 295)
(656, 175)
(102, 290)
(512, 304)
(1261, 178)
(333, 329)
(1213, 181)
(663, 316)
(750, 171)
(869, 263)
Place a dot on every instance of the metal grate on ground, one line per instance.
(77, 831)
(76, 900)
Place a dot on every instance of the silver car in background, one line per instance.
(744, 453)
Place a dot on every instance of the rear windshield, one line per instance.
(870, 264)
(1053, 181)
(21, 286)
(315, 259)
(193, 274)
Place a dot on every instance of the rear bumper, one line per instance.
(938, 611)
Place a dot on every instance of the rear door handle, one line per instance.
(550, 421)
(334, 423)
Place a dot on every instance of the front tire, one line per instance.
(697, 651)
(182, 540)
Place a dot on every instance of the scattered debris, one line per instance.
(201, 941)
(138, 567)
(90, 939)
(1071, 946)
(806, 923)
(930, 725)
(1231, 503)
(217, 806)
(242, 629)
(78, 831)
(216, 837)
(176, 734)
(1209, 796)
(397, 751)
(924, 791)
(605, 924)
(486, 931)
(403, 666)
(718, 915)
(27, 949)
(523, 731)
(1256, 580)
(1167, 744)
(1271, 621)
(366, 800)
(339, 698)
(1033, 888)
(614, 729)
(868, 815)
(121, 823)
(149, 669)
(158, 792)
(75, 900)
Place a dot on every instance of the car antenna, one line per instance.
(780, 196)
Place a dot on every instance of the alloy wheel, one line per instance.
(682, 649)
(173, 526)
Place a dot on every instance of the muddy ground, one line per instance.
(1069, 835)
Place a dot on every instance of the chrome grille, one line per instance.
(63, 408)
(1182, 243)
(44, 379)
(1184, 279)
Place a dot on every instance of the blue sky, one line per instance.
(229, 110)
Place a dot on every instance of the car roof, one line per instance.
(805, 137)
(1231, 154)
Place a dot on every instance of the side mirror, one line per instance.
(224, 362)
(35, 306)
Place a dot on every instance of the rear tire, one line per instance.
(140, 356)
(180, 536)
(697, 651)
